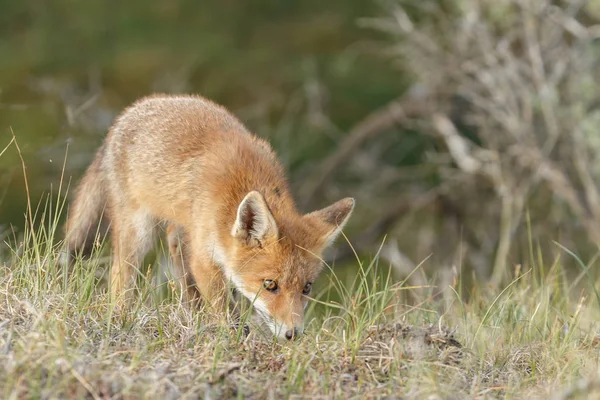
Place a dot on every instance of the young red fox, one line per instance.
(188, 161)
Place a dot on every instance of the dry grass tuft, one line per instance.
(368, 337)
(60, 337)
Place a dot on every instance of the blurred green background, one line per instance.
(69, 67)
(312, 76)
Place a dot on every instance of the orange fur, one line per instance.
(188, 161)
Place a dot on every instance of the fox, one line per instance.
(188, 162)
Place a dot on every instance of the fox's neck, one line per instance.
(236, 167)
(250, 165)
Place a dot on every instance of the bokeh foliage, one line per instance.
(258, 58)
(360, 98)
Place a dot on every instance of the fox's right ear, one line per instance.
(254, 222)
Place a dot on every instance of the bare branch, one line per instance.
(395, 112)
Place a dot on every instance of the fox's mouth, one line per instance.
(268, 321)
(279, 330)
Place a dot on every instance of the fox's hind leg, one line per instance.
(132, 237)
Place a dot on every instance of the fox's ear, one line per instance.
(254, 222)
(333, 218)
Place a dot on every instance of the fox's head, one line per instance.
(276, 260)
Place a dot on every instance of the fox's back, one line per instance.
(163, 149)
(178, 126)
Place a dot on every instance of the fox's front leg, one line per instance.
(210, 280)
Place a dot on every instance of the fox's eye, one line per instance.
(307, 288)
(270, 285)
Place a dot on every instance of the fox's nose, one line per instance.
(292, 333)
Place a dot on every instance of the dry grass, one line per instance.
(368, 335)
(60, 337)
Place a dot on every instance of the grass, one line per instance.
(367, 335)
(61, 337)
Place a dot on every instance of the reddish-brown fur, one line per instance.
(188, 161)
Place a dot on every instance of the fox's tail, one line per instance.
(86, 220)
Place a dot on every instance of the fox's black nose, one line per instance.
(292, 333)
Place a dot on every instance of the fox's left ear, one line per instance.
(333, 218)
(254, 222)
